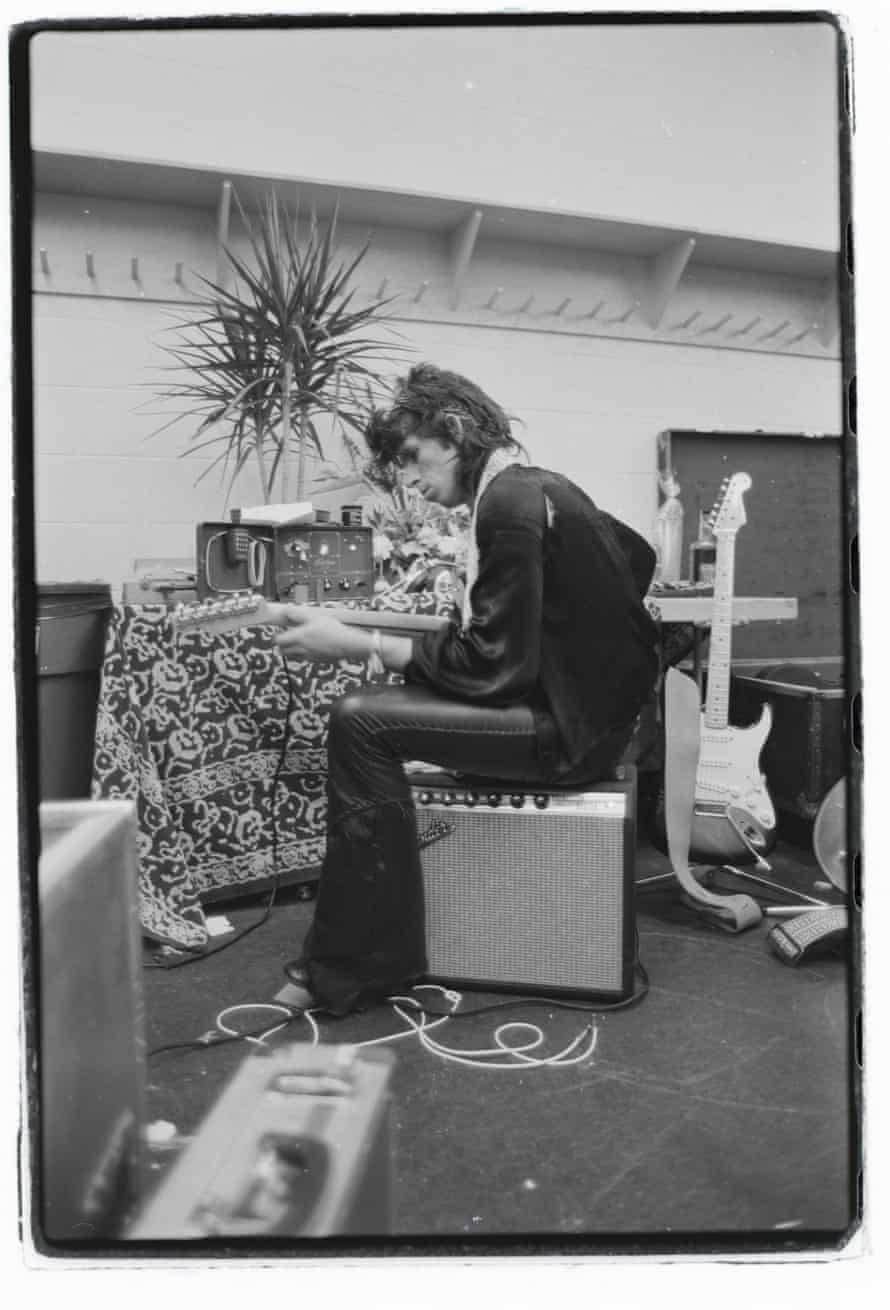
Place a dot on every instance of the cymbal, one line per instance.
(830, 835)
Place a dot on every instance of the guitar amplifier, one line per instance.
(92, 1039)
(300, 562)
(529, 890)
(297, 1145)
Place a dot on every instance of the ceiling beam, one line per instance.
(222, 233)
(661, 277)
(827, 316)
(463, 242)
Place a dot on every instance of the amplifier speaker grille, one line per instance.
(536, 899)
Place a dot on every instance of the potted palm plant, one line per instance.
(262, 361)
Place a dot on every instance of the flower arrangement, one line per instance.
(411, 536)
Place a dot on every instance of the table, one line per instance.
(745, 609)
(191, 728)
(696, 611)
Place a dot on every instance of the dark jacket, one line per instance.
(558, 616)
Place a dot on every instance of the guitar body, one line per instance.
(733, 811)
(729, 775)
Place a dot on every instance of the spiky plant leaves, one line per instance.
(291, 304)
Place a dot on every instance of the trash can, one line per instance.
(70, 641)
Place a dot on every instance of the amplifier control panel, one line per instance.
(435, 790)
(297, 1145)
(323, 562)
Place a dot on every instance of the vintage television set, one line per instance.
(299, 562)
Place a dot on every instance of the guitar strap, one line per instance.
(682, 745)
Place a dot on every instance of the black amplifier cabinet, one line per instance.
(529, 889)
(297, 1145)
(304, 562)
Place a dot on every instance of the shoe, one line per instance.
(298, 978)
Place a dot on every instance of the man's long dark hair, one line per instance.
(443, 405)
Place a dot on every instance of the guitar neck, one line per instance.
(246, 611)
(719, 653)
(384, 619)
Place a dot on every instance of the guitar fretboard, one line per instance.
(717, 699)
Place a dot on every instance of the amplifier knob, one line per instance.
(541, 802)
(425, 797)
(516, 800)
(448, 798)
(344, 584)
(494, 798)
(471, 798)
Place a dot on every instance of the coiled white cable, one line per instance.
(289, 1013)
(479, 1057)
(484, 1057)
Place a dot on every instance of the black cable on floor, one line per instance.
(551, 1002)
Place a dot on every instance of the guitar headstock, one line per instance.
(239, 610)
(728, 514)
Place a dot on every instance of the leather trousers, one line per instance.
(367, 937)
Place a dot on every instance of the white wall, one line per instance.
(592, 403)
(720, 127)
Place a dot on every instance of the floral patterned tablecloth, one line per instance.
(191, 727)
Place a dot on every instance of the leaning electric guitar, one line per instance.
(733, 819)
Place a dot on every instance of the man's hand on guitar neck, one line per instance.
(312, 634)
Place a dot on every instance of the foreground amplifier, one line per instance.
(298, 1145)
(529, 890)
(299, 562)
(92, 1038)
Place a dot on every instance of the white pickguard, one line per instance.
(729, 768)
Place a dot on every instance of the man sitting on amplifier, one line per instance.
(539, 677)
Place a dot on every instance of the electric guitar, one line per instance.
(733, 818)
(248, 610)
